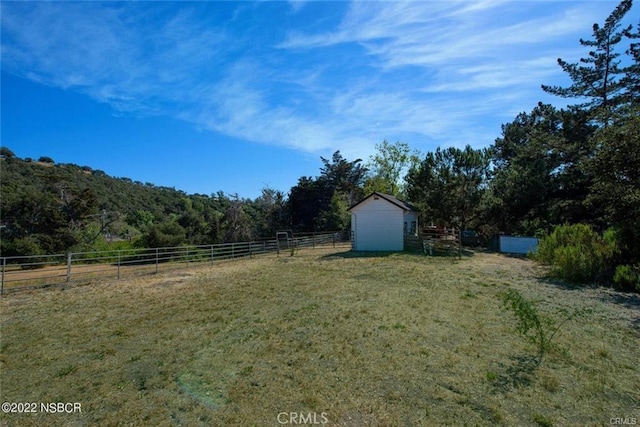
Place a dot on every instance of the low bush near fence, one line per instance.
(578, 254)
(627, 277)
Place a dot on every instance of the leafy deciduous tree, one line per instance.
(388, 165)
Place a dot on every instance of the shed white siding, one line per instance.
(377, 225)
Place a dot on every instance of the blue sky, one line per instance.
(236, 96)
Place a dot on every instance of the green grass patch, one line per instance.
(386, 340)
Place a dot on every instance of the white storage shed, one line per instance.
(380, 221)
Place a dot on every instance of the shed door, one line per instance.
(378, 232)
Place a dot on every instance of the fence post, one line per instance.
(233, 250)
(250, 249)
(118, 265)
(69, 266)
(4, 267)
(157, 260)
(211, 254)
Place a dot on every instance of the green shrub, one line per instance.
(532, 325)
(578, 254)
(26, 246)
(626, 278)
(166, 234)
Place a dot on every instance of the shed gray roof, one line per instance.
(389, 198)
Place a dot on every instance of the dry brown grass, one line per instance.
(382, 340)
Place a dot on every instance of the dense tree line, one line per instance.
(555, 167)
(52, 208)
(550, 166)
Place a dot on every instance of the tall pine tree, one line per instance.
(598, 78)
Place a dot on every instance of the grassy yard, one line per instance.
(377, 340)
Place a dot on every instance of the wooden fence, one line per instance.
(47, 270)
(435, 241)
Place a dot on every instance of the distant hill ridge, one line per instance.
(49, 207)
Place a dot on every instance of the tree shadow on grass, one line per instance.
(360, 254)
(548, 279)
(628, 300)
(468, 252)
(518, 372)
(385, 254)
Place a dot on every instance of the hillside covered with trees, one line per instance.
(549, 167)
(52, 208)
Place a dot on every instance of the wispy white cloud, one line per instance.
(433, 72)
(297, 5)
(119, 55)
(489, 56)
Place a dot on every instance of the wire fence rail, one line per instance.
(28, 272)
